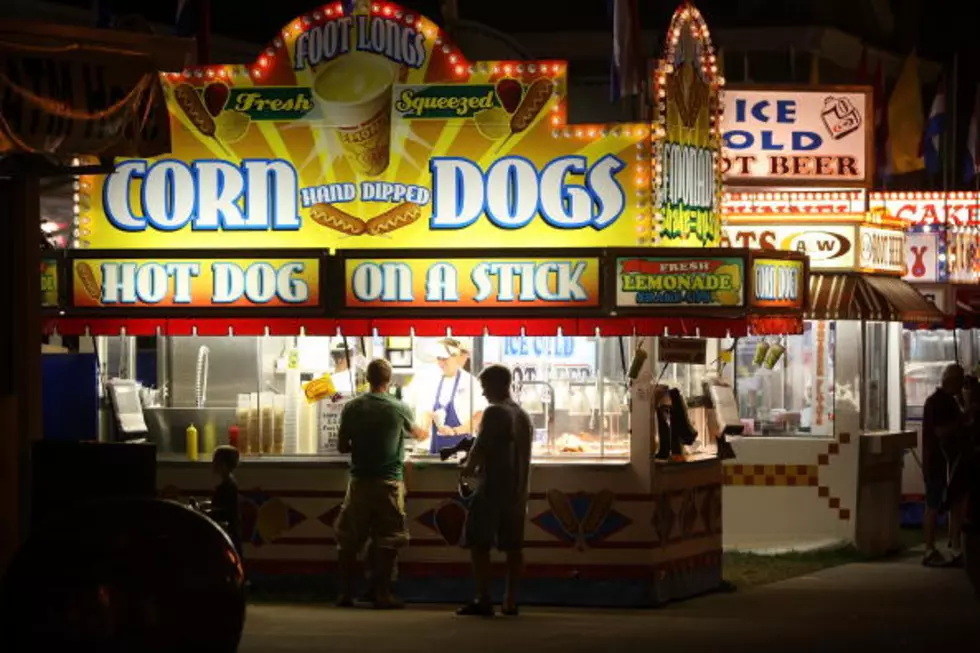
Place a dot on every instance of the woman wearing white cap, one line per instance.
(447, 400)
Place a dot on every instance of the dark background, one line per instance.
(937, 28)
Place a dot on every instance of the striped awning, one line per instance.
(862, 297)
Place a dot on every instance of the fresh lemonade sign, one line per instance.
(371, 130)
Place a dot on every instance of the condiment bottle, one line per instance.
(191, 442)
(210, 437)
(233, 436)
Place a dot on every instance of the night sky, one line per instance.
(938, 33)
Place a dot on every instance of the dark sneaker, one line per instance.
(391, 604)
(956, 560)
(934, 558)
(511, 611)
(476, 609)
(345, 602)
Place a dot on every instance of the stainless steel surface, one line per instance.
(201, 377)
(233, 364)
(167, 426)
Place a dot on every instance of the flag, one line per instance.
(933, 136)
(625, 71)
(972, 137)
(882, 144)
(814, 69)
(905, 120)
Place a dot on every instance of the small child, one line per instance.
(224, 502)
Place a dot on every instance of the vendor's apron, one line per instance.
(452, 418)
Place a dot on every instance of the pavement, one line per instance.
(893, 605)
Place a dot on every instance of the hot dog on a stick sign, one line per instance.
(371, 129)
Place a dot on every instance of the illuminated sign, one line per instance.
(777, 283)
(829, 247)
(794, 202)
(963, 257)
(921, 254)
(959, 208)
(665, 282)
(687, 182)
(370, 130)
(195, 283)
(530, 282)
(793, 136)
(882, 250)
(49, 283)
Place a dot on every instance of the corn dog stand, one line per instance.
(364, 189)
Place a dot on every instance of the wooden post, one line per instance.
(20, 355)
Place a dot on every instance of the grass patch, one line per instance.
(745, 570)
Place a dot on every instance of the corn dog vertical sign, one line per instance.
(687, 149)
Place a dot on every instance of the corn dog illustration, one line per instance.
(193, 107)
(89, 280)
(534, 100)
(598, 511)
(190, 102)
(395, 218)
(329, 216)
(562, 508)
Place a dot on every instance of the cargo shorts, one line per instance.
(495, 524)
(373, 509)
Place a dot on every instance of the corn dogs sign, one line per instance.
(189, 283)
(371, 130)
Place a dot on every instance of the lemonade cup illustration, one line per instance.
(354, 93)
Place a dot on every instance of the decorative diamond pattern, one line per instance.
(581, 518)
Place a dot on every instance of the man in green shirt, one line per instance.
(373, 427)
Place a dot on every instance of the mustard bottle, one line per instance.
(192, 443)
(210, 438)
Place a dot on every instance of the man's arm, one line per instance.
(490, 425)
(343, 433)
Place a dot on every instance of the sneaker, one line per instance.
(956, 560)
(345, 602)
(933, 558)
(476, 609)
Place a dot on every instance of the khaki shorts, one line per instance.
(373, 509)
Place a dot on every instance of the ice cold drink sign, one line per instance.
(195, 283)
(789, 136)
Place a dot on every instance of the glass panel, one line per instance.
(574, 389)
(926, 354)
(785, 384)
(875, 391)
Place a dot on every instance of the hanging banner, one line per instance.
(370, 130)
(189, 283)
(666, 282)
(687, 180)
(472, 283)
(795, 136)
